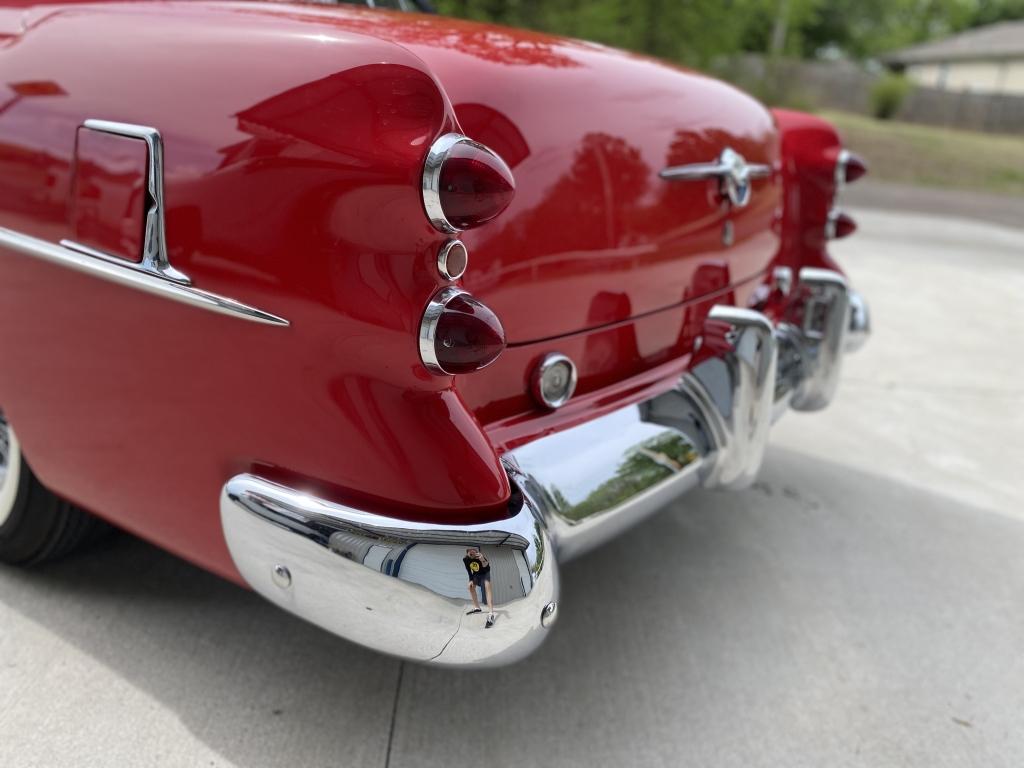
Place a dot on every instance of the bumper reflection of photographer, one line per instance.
(479, 571)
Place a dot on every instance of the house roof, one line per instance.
(995, 41)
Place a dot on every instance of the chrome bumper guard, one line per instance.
(402, 588)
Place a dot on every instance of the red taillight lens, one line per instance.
(464, 184)
(840, 225)
(855, 167)
(459, 334)
(476, 186)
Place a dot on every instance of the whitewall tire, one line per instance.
(35, 524)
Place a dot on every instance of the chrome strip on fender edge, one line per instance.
(130, 278)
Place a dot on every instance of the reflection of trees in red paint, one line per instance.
(706, 145)
(518, 47)
(398, 109)
(603, 184)
(491, 128)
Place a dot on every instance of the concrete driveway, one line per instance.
(862, 605)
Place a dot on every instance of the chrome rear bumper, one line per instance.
(402, 588)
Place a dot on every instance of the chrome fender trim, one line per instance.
(396, 586)
(137, 279)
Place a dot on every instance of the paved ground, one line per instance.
(860, 606)
(1005, 210)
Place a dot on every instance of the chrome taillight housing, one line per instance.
(839, 225)
(459, 334)
(465, 184)
(849, 167)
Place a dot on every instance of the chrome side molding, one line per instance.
(133, 278)
(396, 586)
(154, 273)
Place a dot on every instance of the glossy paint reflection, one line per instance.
(109, 193)
(292, 188)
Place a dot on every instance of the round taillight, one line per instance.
(458, 334)
(849, 167)
(464, 184)
(855, 167)
(839, 225)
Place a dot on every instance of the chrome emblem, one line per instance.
(733, 172)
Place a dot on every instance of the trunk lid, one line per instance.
(594, 235)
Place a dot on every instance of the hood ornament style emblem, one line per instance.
(731, 169)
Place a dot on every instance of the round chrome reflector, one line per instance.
(452, 260)
(554, 381)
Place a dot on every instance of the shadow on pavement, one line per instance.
(823, 617)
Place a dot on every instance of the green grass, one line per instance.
(935, 157)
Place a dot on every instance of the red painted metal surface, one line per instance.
(108, 193)
(589, 129)
(294, 140)
(810, 148)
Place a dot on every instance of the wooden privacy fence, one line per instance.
(997, 113)
(846, 86)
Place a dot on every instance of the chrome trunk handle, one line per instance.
(731, 169)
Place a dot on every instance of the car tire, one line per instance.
(36, 525)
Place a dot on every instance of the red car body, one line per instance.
(294, 139)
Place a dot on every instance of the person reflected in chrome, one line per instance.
(479, 570)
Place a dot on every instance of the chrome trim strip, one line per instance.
(397, 586)
(137, 279)
(731, 169)
(428, 327)
(85, 250)
(431, 183)
(154, 242)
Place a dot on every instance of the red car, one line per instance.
(383, 314)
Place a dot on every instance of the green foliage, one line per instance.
(695, 32)
(648, 464)
(887, 94)
(690, 32)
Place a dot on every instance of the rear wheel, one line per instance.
(36, 525)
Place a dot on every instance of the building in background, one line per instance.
(987, 59)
